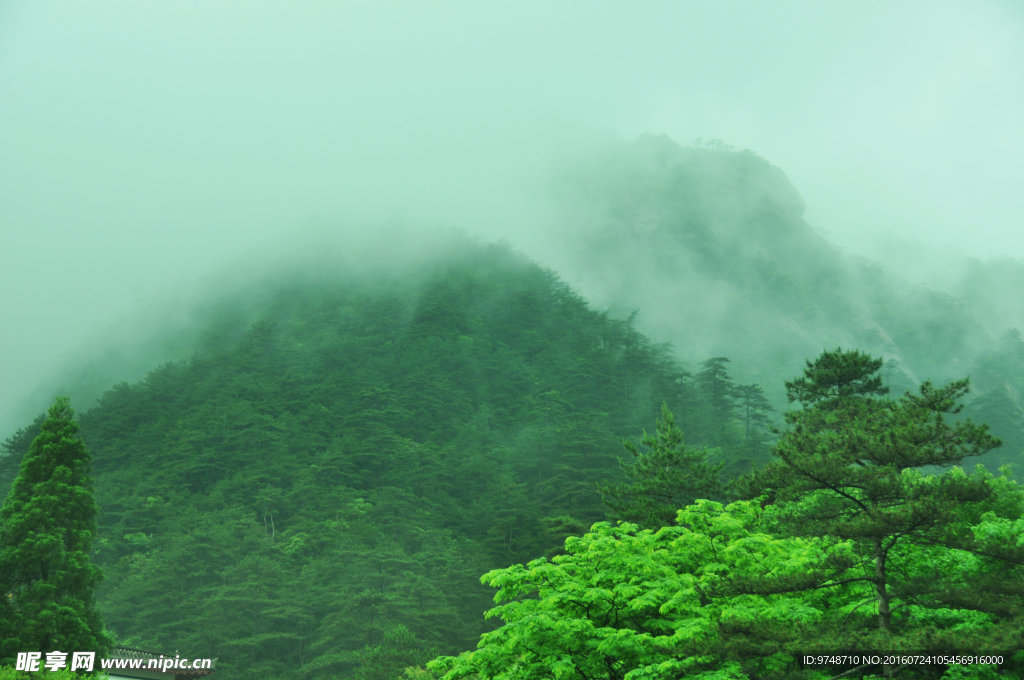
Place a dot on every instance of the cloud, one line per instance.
(147, 145)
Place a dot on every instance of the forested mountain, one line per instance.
(315, 493)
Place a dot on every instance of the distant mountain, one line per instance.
(708, 246)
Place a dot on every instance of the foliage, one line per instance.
(663, 478)
(47, 526)
(717, 397)
(836, 375)
(850, 466)
(718, 597)
(712, 597)
(855, 550)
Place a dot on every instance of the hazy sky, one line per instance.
(144, 145)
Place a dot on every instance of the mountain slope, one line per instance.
(316, 492)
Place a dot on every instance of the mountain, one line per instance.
(315, 492)
(709, 248)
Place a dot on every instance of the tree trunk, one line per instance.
(882, 595)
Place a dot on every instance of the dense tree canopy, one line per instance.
(711, 597)
(47, 527)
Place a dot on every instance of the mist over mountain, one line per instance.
(343, 438)
(708, 246)
(704, 246)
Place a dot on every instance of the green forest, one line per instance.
(464, 469)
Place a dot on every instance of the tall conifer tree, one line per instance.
(47, 526)
(718, 402)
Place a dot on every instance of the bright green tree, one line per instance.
(47, 526)
(662, 477)
(712, 597)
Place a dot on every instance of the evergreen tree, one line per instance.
(757, 427)
(718, 401)
(835, 375)
(754, 408)
(47, 527)
(662, 479)
(849, 467)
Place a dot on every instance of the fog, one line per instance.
(147, 147)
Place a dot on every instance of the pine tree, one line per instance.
(718, 402)
(662, 479)
(836, 375)
(47, 526)
(757, 427)
(850, 467)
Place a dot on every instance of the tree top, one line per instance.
(836, 374)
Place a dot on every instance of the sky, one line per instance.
(147, 146)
